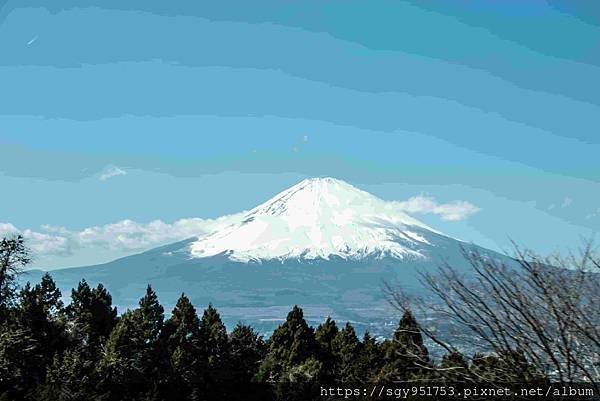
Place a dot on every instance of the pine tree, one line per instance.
(215, 343)
(72, 377)
(486, 367)
(184, 324)
(291, 344)
(453, 360)
(247, 349)
(38, 314)
(325, 334)
(122, 366)
(408, 336)
(92, 316)
(49, 295)
(19, 353)
(453, 367)
(181, 339)
(406, 355)
(504, 368)
(370, 359)
(152, 315)
(346, 348)
(130, 363)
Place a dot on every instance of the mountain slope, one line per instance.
(318, 218)
(322, 244)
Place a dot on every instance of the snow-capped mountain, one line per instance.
(318, 218)
(322, 244)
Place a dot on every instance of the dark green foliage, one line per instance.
(184, 326)
(38, 313)
(152, 315)
(325, 334)
(19, 353)
(247, 349)
(484, 366)
(215, 344)
(85, 352)
(72, 376)
(408, 337)
(123, 365)
(405, 356)
(128, 368)
(507, 368)
(91, 315)
(181, 339)
(370, 359)
(290, 347)
(346, 347)
(454, 360)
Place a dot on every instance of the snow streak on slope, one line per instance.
(318, 218)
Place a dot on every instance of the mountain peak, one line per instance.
(311, 196)
(318, 218)
(321, 180)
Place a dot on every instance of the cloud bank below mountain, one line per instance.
(128, 236)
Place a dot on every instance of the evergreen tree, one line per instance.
(408, 336)
(38, 314)
(19, 353)
(504, 368)
(214, 344)
(453, 367)
(406, 354)
(124, 363)
(307, 372)
(152, 315)
(370, 359)
(181, 337)
(129, 366)
(486, 367)
(183, 325)
(71, 377)
(92, 316)
(247, 350)
(49, 295)
(325, 334)
(346, 348)
(453, 360)
(290, 346)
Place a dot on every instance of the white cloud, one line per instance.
(125, 235)
(451, 211)
(130, 236)
(110, 172)
(39, 243)
(7, 229)
(47, 244)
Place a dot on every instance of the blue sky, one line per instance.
(113, 116)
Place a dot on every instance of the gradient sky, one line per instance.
(168, 110)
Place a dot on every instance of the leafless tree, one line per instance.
(543, 311)
(14, 256)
